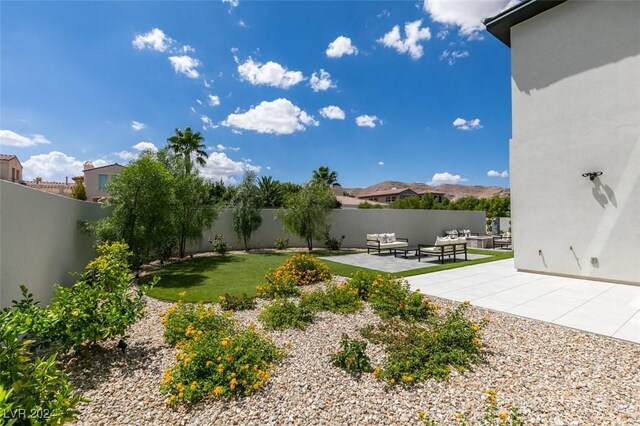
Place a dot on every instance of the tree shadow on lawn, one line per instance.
(188, 273)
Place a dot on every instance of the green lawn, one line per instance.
(206, 278)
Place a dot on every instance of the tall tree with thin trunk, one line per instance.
(190, 146)
(246, 208)
(306, 212)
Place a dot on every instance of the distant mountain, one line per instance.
(453, 192)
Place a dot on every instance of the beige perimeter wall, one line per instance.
(420, 226)
(40, 243)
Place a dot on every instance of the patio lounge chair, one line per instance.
(381, 242)
(445, 246)
(502, 240)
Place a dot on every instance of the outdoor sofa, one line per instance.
(444, 246)
(388, 241)
(460, 233)
(503, 240)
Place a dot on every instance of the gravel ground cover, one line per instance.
(555, 375)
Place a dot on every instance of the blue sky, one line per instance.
(410, 91)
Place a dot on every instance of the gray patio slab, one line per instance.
(389, 263)
(599, 307)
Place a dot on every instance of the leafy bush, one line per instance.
(352, 356)
(315, 300)
(391, 297)
(341, 299)
(333, 243)
(361, 281)
(184, 321)
(238, 363)
(230, 302)
(28, 382)
(418, 351)
(220, 246)
(101, 305)
(281, 243)
(277, 284)
(304, 269)
(283, 314)
(492, 415)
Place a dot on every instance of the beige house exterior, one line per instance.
(97, 178)
(388, 196)
(10, 168)
(575, 147)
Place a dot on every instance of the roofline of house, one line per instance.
(102, 167)
(11, 157)
(385, 192)
(500, 25)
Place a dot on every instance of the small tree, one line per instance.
(307, 212)
(246, 208)
(325, 176)
(271, 192)
(78, 190)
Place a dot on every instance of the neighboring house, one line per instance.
(60, 188)
(437, 195)
(97, 178)
(10, 168)
(353, 203)
(575, 147)
(388, 195)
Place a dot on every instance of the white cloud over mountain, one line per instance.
(445, 177)
(494, 173)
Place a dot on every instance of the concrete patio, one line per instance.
(598, 307)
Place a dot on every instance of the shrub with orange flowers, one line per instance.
(419, 350)
(392, 297)
(185, 321)
(238, 363)
(305, 269)
(277, 285)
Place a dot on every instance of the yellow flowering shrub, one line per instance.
(277, 285)
(305, 269)
(238, 363)
(185, 321)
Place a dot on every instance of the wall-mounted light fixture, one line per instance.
(591, 175)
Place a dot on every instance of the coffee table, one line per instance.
(405, 251)
(480, 242)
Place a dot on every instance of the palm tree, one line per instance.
(271, 192)
(323, 175)
(189, 144)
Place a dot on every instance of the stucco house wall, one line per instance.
(576, 109)
(10, 168)
(91, 180)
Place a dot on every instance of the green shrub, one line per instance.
(277, 284)
(333, 243)
(220, 365)
(418, 351)
(361, 281)
(184, 321)
(220, 246)
(101, 305)
(230, 302)
(352, 356)
(304, 269)
(341, 299)
(30, 383)
(281, 243)
(391, 297)
(283, 314)
(315, 300)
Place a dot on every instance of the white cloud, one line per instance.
(380, 163)
(445, 177)
(214, 100)
(467, 15)
(185, 65)
(10, 138)
(220, 147)
(193, 109)
(55, 166)
(136, 125)
(462, 124)
(270, 74)
(232, 3)
(208, 84)
(220, 166)
(332, 112)
(321, 82)
(367, 120)
(341, 46)
(452, 56)
(207, 123)
(414, 34)
(188, 49)
(242, 24)
(442, 34)
(127, 155)
(279, 117)
(199, 102)
(494, 173)
(143, 146)
(155, 39)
